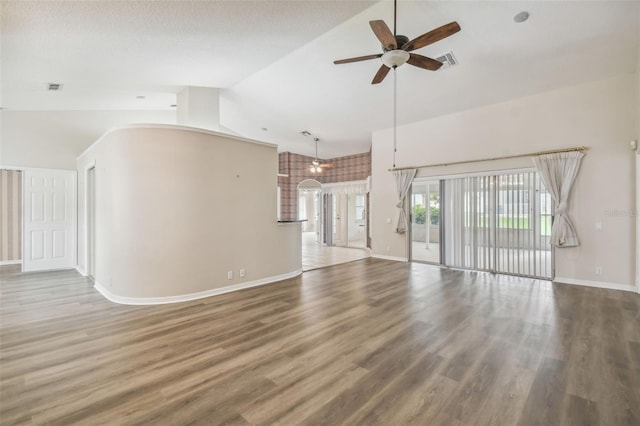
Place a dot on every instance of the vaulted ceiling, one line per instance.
(273, 59)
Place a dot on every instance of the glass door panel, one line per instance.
(356, 232)
(498, 223)
(425, 221)
(468, 236)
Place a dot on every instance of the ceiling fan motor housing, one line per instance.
(400, 41)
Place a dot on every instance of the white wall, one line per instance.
(177, 208)
(199, 107)
(600, 115)
(54, 139)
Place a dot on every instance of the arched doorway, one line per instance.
(309, 209)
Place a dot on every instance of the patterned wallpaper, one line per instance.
(10, 215)
(341, 169)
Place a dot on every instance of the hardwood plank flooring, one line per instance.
(370, 342)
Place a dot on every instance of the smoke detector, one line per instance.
(448, 60)
(54, 87)
(521, 17)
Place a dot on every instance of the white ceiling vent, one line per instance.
(448, 60)
(54, 86)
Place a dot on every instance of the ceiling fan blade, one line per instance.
(381, 74)
(357, 59)
(384, 34)
(423, 62)
(432, 36)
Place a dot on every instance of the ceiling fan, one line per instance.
(316, 164)
(396, 48)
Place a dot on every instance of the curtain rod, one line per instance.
(531, 154)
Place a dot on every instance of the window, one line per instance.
(302, 208)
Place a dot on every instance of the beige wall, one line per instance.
(600, 115)
(54, 139)
(179, 208)
(637, 192)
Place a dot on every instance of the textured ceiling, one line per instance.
(108, 52)
(273, 59)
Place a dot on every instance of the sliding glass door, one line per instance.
(523, 226)
(469, 222)
(497, 223)
(425, 221)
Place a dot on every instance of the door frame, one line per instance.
(17, 169)
(89, 219)
(409, 202)
(315, 187)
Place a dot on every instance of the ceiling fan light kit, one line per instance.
(396, 48)
(395, 58)
(315, 164)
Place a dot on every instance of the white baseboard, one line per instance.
(10, 262)
(394, 258)
(598, 284)
(81, 271)
(124, 300)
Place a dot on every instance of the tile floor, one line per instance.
(317, 255)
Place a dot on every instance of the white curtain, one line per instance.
(351, 187)
(403, 183)
(558, 172)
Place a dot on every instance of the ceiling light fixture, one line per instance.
(521, 17)
(395, 58)
(315, 164)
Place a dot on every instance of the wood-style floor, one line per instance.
(368, 342)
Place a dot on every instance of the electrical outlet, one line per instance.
(388, 249)
(229, 275)
(598, 226)
(242, 273)
(598, 270)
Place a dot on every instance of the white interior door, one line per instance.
(49, 220)
(339, 220)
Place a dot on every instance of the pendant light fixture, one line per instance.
(315, 164)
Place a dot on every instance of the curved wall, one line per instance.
(177, 208)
